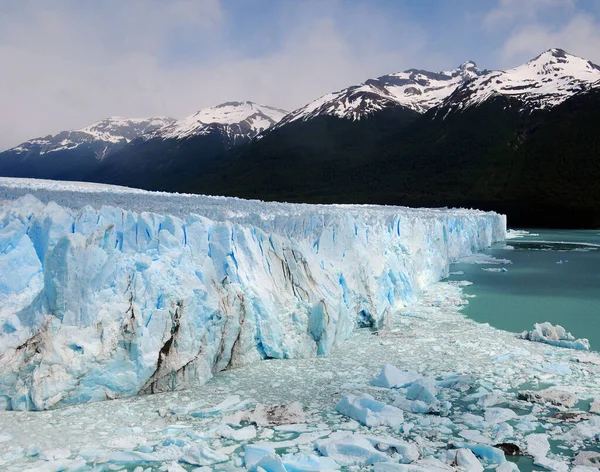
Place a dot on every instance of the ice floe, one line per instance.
(555, 336)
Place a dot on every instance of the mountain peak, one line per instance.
(542, 82)
(415, 89)
(107, 132)
(248, 116)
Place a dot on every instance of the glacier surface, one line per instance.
(109, 292)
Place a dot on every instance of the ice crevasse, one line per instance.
(102, 299)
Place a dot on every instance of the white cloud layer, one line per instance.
(67, 66)
(511, 10)
(580, 36)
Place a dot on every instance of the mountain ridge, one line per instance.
(475, 147)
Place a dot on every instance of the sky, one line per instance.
(67, 63)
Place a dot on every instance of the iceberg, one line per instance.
(555, 336)
(370, 412)
(112, 293)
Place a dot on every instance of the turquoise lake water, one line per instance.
(554, 276)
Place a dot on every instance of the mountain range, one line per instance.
(523, 141)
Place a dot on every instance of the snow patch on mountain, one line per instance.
(108, 132)
(541, 83)
(235, 120)
(417, 90)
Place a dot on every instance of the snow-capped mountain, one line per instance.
(104, 134)
(417, 90)
(541, 83)
(236, 121)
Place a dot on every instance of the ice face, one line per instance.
(110, 301)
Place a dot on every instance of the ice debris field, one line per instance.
(108, 293)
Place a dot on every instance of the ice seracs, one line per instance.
(111, 300)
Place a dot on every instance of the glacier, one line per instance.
(109, 292)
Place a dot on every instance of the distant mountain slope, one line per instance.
(236, 121)
(416, 90)
(161, 159)
(74, 154)
(534, 155)
(139, 152)
(106, 133)
(541, 83)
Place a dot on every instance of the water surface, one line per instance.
(554, 276)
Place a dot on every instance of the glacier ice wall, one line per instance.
(107, 301)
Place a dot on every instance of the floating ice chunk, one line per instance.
(254, 453)
(555, 336)
(369, 411)
(270, 463)
(489, 454)
(349, 449)
(408, 451)
(126, 457)
(309, 463)
(503, 431)
(474, 421)
(518, 233)
(422, 390)
(57, 465)
(172, 467)
(559, 368)
(269, 415)
(537, 445)
(480, 258)
(391, 467)
(294, 428)
(461, 383)
(550, 395)
(274, 415)
(499, 415)
(587, 459)
(391, 377)
(494, 269)
(491, 399)
(474, 435)
(54, 454)
(430, 464)
(507, 467)
(225, 405)
(594, 408)
(243, 434)
(467, 461)
(414, 406)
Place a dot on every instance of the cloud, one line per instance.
(511, 10)
(67, 63)
(580, 35)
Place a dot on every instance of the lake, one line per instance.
(554, 276)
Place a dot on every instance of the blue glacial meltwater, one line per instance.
(554, 276)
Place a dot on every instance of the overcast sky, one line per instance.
(68, 63)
